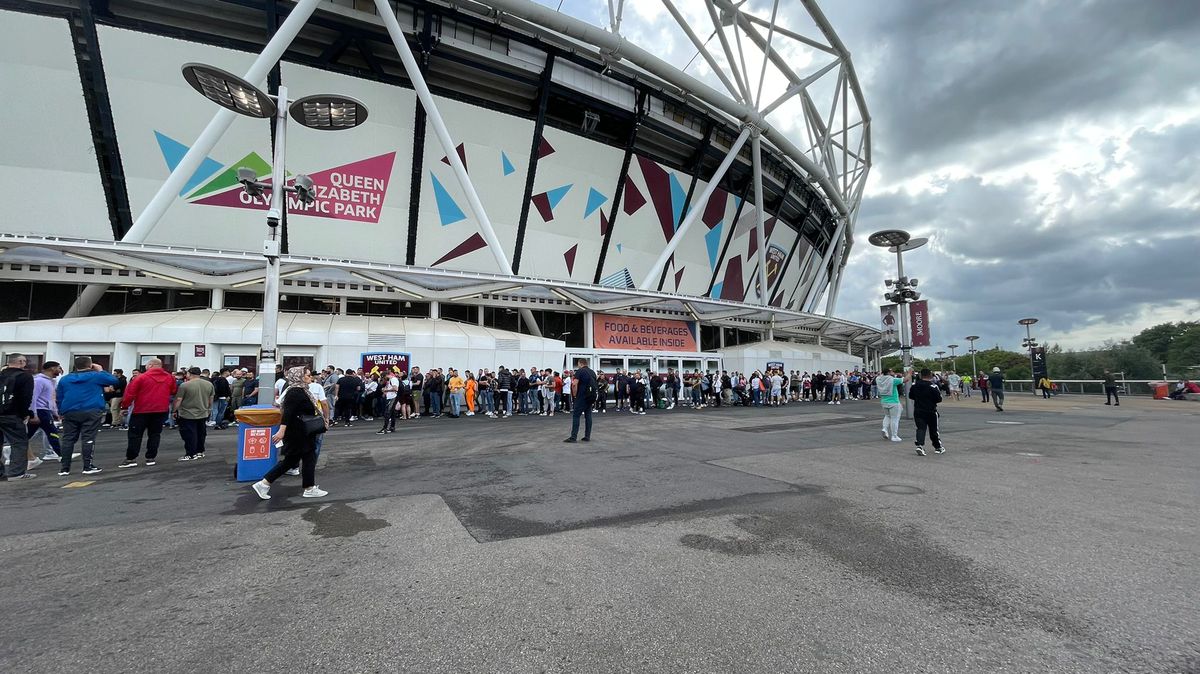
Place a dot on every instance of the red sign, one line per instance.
(378, 363)
(200, 350)
(630, 333)
(918, 312)
(256, 443)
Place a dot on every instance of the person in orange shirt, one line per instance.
(456, 386)
(472, 389)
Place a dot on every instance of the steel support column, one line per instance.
(761, 217)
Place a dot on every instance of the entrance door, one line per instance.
(248, 363)
(168, 360)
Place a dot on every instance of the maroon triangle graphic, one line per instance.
(603, 223)
(569, 256)
(732, 287)
(462, 155)
(542, 203)
(678, 277)
(753, 244)
(769, 228)
(659, 185)
(778, 301)
(469, 246)
(633, 198)
(545, 148)
(714, 210)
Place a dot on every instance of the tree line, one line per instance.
(1177, 345)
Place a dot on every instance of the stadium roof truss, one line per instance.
(157, 265)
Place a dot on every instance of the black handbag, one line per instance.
(314, 424)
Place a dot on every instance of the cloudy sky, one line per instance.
(1050, 150)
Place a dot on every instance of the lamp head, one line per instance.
(305, 189)
(249, 180)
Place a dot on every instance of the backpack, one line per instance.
(8, 389)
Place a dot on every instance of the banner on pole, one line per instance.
(919, 322)
(889, 317)
(1038, 356)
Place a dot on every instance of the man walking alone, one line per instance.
(81, 403)
(996, 386)
(925, 397)
(889, 398)
(583, 391)
(1110, 389)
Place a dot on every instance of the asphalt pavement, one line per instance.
(1057, 536)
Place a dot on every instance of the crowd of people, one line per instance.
(195, 400)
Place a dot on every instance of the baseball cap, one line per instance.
(995, 369)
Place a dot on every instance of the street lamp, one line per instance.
(953, 357)
(973, 351)
(325, 112)
(941, 359)
(898, 241)
(1030, 344)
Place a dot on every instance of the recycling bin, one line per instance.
(256, 454)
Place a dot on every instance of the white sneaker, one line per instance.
(294, 471)
(314, 492)
(34, 464)
(470, 414)
(885, 433)
(896, 438)
(263, 489)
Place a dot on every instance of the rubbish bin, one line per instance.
(256, 453)
(1161, 390)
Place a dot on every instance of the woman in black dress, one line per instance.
(299, 448)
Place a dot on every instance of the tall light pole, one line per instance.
(325, 112)
(953, 358)
(1030, 344)
(973, 351)
(897, 241)
(941, 359)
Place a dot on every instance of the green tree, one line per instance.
(1158, 339)
(1184, 352)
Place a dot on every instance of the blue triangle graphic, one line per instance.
(716, 291)
(173, 151)
(678, 196)
(618, 247)
(448, 211)
(712, 241)
(737, 201)
(556, 195)
(508, 167)
(595, 200)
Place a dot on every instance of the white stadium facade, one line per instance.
(528, 186)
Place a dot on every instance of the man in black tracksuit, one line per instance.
(926, 397)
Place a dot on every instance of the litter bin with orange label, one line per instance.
(1161, 390)
(256, 453)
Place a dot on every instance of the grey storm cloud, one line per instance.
(979, 100)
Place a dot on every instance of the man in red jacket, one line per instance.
(148, 396)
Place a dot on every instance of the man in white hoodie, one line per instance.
(889, 397)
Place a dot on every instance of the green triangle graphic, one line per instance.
(228, 177)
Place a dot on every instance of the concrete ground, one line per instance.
(1058, 536)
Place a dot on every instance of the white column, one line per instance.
(435, 309)
(86, 301)
(343, 305)
(217, 299)
(589, 336)
(764, 294)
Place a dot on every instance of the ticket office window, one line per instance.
(298, 361)
(168, 360)
(104, 360)
(248, 363)
(635, 364)
(33, 361)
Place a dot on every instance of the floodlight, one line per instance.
(249, 180)
(229, 91)
(913, 283)
(328, 112)
(305, 189)
(889, 237)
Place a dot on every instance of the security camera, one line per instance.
(283, 298)
(249, 180)
(913, 283)
(915, 296)
(136, 292)
(887, 282)
(305, 189)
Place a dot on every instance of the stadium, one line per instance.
(589, 199)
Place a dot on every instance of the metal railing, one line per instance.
(1131, 387)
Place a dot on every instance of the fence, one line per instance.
(1132, 387)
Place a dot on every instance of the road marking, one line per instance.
(1029, 454)
(76, 485)
(1009, 423)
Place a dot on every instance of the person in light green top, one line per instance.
(193, 404)
(889, 397)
